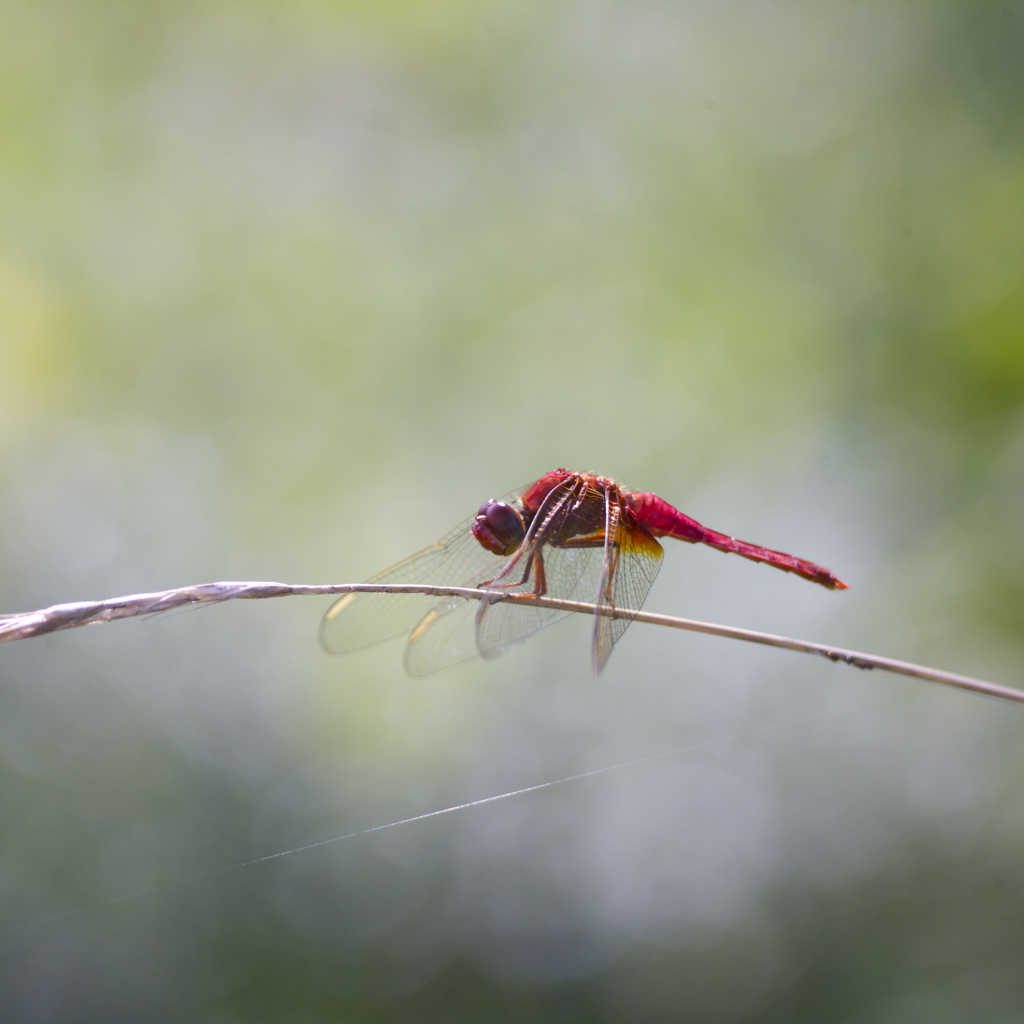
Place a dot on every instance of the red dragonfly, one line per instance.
(573, 536)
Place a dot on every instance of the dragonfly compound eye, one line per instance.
(499, 527)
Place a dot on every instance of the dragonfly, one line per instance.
(569, 535)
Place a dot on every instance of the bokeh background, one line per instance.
(288, 288)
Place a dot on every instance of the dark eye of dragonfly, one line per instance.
(499, 527)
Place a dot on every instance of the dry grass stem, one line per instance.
(24, 625)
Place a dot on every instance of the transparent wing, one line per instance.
(447, 633)
(358, 620)
(629, 566)
(572, 574)
(443, 637)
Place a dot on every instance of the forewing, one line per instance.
(628, 568)
(358, 620)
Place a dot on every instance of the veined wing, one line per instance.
(572, 575)
(359, 620)
(616, 575)
(446, 634)
(629, 565)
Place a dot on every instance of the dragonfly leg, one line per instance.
(540, 580)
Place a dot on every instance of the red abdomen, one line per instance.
(662, 519)
(665, 521)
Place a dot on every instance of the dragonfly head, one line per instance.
(499, 527)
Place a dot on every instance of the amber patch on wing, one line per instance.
(424, 624)
(339, 606)
(635, 540)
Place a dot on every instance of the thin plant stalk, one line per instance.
(24, 625)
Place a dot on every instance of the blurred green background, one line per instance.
(288, 289)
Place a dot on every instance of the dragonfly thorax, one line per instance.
(499, 527)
